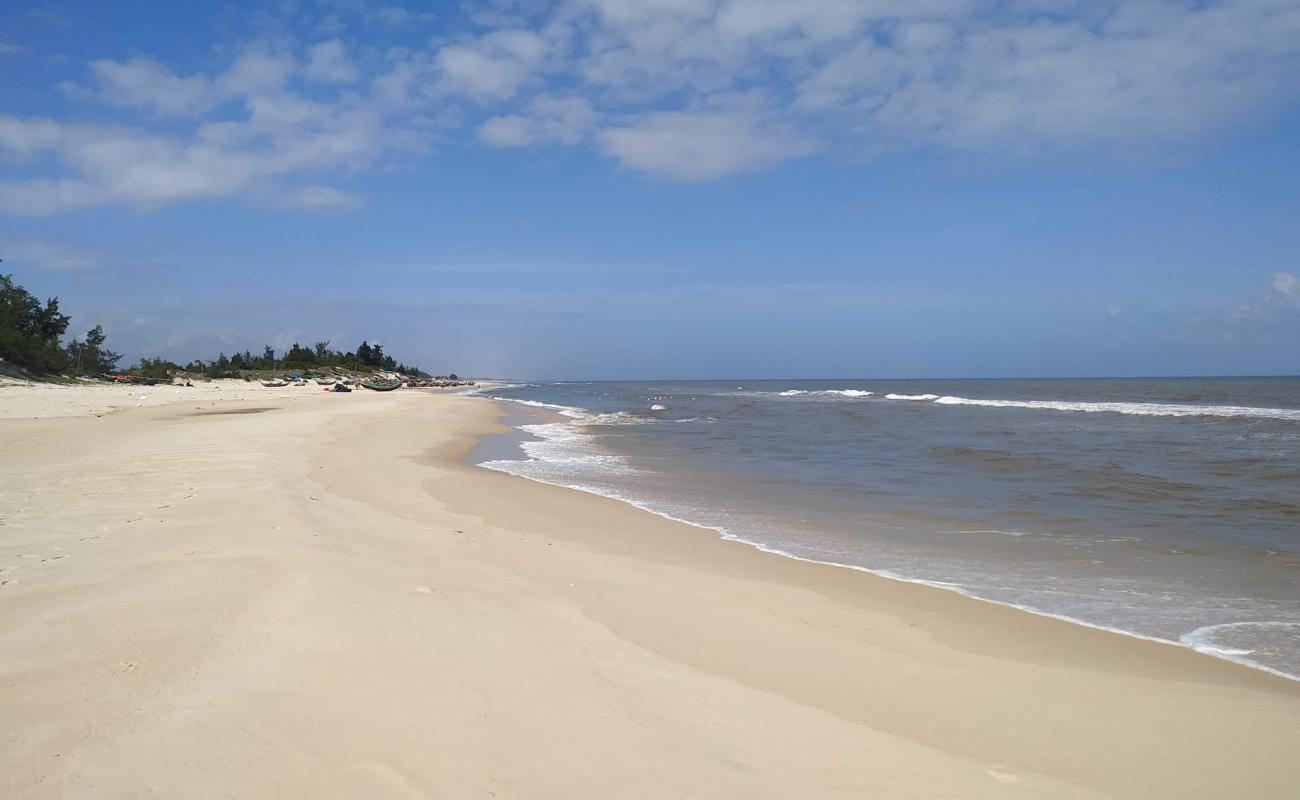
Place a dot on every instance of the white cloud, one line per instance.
(320, 198)
(563, 120)
(144, 83)
(638, 80)
(491, 67)
(1276, 309)
(1286, 288)
(23, 138)
(698, 145)
(398, 16)
(41, 197)
(256, 72)
(328, 62)
(281, 137)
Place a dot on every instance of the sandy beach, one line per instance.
(269, 593)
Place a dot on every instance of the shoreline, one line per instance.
(463, 449)
(328, 591)
(559, 412)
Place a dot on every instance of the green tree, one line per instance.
(365, 354)
(155, 368)
(90, 357)
(30, 330)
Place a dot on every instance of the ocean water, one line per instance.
(1163, 508)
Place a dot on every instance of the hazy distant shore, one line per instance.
(283, 593)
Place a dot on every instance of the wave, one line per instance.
(584, 417)
(568, 411)
(825, 393)
(564, 457)
(1130, 408)
(1208, 640)
(1139, 409)
(558, 450)
(617, 418)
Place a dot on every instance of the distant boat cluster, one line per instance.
(381, 382)
(378, 382)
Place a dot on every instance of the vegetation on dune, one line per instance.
(366, 358)
(31, 334)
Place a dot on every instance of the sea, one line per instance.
(1161, 508)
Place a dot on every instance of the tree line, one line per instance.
(31, 337)
(366, 358)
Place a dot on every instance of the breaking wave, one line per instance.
(825, 393)
(1139, 409)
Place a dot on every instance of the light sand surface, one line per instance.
(314, 597)
(29, 400)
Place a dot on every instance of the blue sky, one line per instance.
(667, 188)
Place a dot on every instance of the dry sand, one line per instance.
(311, 596)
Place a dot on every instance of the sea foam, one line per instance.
(825, 393)
(1139, 409)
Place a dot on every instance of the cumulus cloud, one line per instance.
(491, 67)
(563, 120)
(328, 62)
(397, 16)
(640, 81)
(146, 84)
(698, 145)
(1276, 309)
(1285, 288)
(113, 164)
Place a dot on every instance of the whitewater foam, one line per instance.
(1197, 640)
(1140, 409)
(825, 393)
(569, 454)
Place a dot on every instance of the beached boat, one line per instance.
(381, 386)
(325, 381)
(274, 384)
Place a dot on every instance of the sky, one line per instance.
(666, 188)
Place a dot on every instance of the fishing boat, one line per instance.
(274, 384)
(381, 386)
(325, 381)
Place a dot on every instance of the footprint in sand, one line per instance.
(425, 590)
